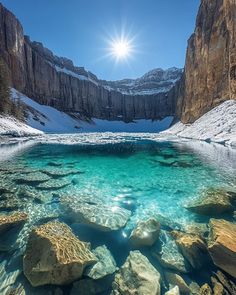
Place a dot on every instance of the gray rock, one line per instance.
(173, 291)
(168, 254)
(137, 276)
(211, 202)
(32, 178)
(145, 233)
(106, 264)
(97, 215)
(54, 184)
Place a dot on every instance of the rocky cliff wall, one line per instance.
(55, 81)
(210, 69)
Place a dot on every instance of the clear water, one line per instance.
(157, 178)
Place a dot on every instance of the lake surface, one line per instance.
(149, 178)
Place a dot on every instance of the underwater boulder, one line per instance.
(227, 283)
(175, 279)
(95, 214)
(168, 255)
(7, 222)
(59, 172)
(55, 256)
(32, 178)
(205, 290)
(145, 233)
(173, 291)
(54, 184)
(137, 276)
(222, 245)
(212, 202)
(193, 249)
(106, 264)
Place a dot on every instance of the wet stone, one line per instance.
(97, 215)
(12, 220)
(32, 178)
(55, 256)
(54, 184)
(212, 202)
(60, 172)
(106, 264)
(167, 253)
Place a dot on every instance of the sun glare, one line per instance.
(120, 49)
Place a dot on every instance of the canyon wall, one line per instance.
(55, 81)
(210, 70)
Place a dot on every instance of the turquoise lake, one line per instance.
(149, 178)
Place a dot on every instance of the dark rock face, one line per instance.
(210, 68)
(55, 81)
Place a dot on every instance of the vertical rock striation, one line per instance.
(210, 68)
(55, 81)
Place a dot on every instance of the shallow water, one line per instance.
(147, 177)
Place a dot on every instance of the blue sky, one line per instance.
(81, 29)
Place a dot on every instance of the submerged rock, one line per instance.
(173, 291)
(7, 222)
(222, 245)
(60, 172)
(137, 276)
(193, 249)
(226, 282)
(54, 184)
(205, 290)
(212, 202)
(175, 279)
(32, 178)
(97, 215)
(168, 254)
(106, 264)
(145, 234)
(55, 256)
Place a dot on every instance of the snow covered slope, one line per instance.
(50, 120)
(14, 127)
(153, 82)
(218, 125)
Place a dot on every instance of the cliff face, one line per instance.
(55, 81)
(210, 69)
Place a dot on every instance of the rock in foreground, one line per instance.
(55, 256)
(106, 264)
(137, 276)
(96, 215)
(145, 234)
(12, 220)
(222, 245)
(211, 203)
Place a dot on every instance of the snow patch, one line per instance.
(217, 125)
(50, 120)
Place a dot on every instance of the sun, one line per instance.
(120, 49)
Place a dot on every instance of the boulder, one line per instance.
(145, 234)
(168, 254)
(106, 264)
(173, 291)
(54, 184)
(95, 214)
(32, 178)
(193, 249)
(218, 288)
(55, 256)
(7, 222)
(212, 203)
(137, 276)
(222, 245)
(226, 282)
(205, 290)
(174, 279)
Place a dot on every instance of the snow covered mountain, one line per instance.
(153, 82)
